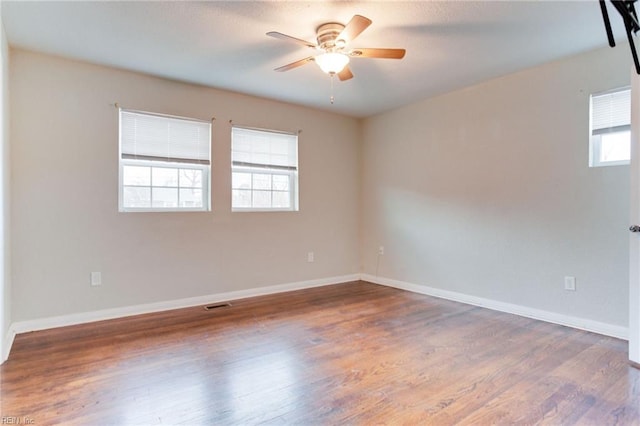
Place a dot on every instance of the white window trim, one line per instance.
(264, 168)
(206, 192)
(205, 167)
(595, 141)
(293, 189)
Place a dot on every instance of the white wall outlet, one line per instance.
(570, 283)
(96, 279)
(311, 257)
(381, 250)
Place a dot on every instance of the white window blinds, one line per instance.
(264, 149)
(611, 112)
(145, 136)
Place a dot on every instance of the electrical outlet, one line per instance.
(570, 283)
(381, 250)
(310, 257)
(96, 279)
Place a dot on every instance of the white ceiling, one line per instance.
(223, 43)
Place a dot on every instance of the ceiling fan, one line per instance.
(332, 40)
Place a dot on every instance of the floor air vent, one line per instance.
(217, 306)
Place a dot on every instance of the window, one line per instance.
(610, 128)
(164, 163)
(264, 170)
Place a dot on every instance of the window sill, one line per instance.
(262, 210)
(145, 210)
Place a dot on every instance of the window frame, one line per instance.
(128, 160)
(293, 188)
(595, 140)
(272, 169)
(596, 151)
(206, 203)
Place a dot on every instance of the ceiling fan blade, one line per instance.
(285, 37)
(345, 74)
(378, 53)
(295, 64)
(356, 25)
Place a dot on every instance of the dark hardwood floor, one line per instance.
(354, 353)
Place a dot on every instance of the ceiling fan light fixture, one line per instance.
(332, 62)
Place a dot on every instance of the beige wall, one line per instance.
(487, 192)
(5, 270)
(65, 196)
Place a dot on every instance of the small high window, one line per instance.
(264, 170)
(610, 128)
(164, 163)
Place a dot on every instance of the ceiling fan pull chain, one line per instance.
(332, 98)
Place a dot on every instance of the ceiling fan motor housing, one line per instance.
(327, 35)
(332, 56)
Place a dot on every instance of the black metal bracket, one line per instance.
(627, 10)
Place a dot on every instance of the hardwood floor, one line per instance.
(354, 353)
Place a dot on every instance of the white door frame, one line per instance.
(634, 238)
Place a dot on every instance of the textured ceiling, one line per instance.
(223, 44)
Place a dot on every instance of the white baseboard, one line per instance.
(524, 311)
(106, 314)
(8, 342)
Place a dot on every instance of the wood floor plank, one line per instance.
(353, 353)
